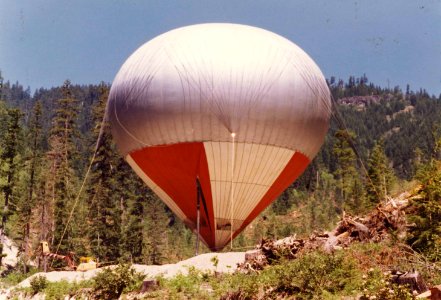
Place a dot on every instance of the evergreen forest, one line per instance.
(381, 141)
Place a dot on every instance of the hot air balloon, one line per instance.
(218, 120)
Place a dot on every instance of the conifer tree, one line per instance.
(45, 194)
(63, 150)
(33, 165)
(145, 220)
(9, 158)
(154, 236)
(348, 181)
(380, 175)
(134, 216)
(417, 160)
(425, 213)
(104, 214)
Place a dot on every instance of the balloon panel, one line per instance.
(204, 82)
(233, 198)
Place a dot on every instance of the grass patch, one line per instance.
(359, 271)
(16, 277)
(60, 289)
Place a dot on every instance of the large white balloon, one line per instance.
(240, 108)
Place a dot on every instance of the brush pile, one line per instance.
(375, 227)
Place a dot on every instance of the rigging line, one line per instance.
(124, 128)
(233, 135)
(97, 145)
(148, 79)
(204, 203)
(308, 76)
(337, 116)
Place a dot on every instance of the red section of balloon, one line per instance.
(174, 169)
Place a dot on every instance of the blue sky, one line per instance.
(395, 42)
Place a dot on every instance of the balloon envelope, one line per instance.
(239, 108)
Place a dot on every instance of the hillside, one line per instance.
(381, 142)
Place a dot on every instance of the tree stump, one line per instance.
(435, 293)
(412, 279)
(148, 285)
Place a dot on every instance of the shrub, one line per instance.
(14, 278)
(61, 289)
(111, 282)
(425, 214)
(377, 285)
(311, 275)
(317, 272)
(57, 290)
(215, 261)
(185, 286)
(38, 283)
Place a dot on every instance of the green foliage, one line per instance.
(64, 154)
(38, 283)
(215, 261)
(57, 290)
(186, 286)
(30, 178)
(349, 186)
(118, 218)
(425, 236)
(15, 278)
(377, 285)
(54, 290)
(310, 276)
(60, 289)
(358, 270)
(111, 282)
(380, 176)
(9, 162)
(313, 274)
(154, 231)
(283, 204)
(104, 213)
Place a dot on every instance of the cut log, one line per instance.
(359, 226)
(329, 245)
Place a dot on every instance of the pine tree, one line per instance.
(33, 164)
(379, 173)
(349, 183)
(425, 213)
(104, 214)
(417, 160)
(134, 218)
(63, 150)
(282, 204)
(145, 220)
(10, 159)
(154, 236)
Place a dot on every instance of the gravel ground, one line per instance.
(10, 250)
(227, 263)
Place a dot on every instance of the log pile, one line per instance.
(375, 227)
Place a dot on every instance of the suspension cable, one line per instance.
(86, 176)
